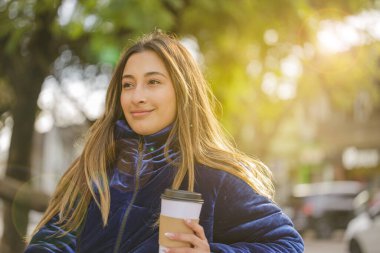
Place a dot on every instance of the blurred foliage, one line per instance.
(235, 36)
(230, 35)
(343, 77)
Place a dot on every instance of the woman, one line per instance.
(159, 131)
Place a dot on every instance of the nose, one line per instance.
(139, 94)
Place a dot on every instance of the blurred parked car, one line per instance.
(324, 207)
(363, 232)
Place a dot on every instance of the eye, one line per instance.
(127, 85)
(153, 82)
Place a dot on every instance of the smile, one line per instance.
(141, 113)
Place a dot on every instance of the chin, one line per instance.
(143, 131)
(146, 129)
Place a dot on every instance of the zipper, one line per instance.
(137, 184)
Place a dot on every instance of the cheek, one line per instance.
(123, 101)
(173, 111)
(124, 104)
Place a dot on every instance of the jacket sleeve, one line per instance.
(245, 221)
(51, 239)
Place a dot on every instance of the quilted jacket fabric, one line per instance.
(234, 217)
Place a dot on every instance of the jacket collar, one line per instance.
(148, 159)
(124, 131)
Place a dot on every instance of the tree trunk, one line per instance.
(25, 70)
(18, 165)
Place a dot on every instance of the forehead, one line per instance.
(143, 62)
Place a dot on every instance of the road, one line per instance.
(325, 246)
(334, 245)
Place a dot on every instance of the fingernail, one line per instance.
(188, 221)
(169, 235)
(166, 251)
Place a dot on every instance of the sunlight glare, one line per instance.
(286, 90)
(5, 135)
(291, 66)
(46, 98)
(254, 68)
(67, 113)
(269, 84)
(271, 37)
(44, 122)
(75, 89)
(66, 11)
(331, 39)
(94, 106)
(361, 29)
(191, 44)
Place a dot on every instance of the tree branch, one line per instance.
(22, 194)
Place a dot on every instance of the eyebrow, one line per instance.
(146, 74)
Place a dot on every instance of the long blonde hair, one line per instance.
(200, 136)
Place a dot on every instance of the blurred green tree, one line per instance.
(246, 46)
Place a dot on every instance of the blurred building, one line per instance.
(348, 142)
(53, 153)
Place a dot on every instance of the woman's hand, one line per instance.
(197, 240)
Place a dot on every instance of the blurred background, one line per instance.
(298, 83)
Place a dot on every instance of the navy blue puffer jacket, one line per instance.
(234, 217)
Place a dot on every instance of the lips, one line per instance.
(141, 113)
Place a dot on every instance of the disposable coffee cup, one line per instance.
(177, 205)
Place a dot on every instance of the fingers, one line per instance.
(190, 238)
(198, 229)
(180, 250)
(198, 240)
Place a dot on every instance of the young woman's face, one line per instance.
(147, 97)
